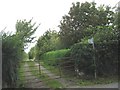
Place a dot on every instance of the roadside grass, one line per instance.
(21, 73)
(81, 81)
(52, 83)
(52, 69)
(100, 80)
(51, 60)
(84, 82)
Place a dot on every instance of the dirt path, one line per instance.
(31, 80)
(64, 82)
(70, 84)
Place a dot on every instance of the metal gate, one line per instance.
(26, 74)
(29, 71)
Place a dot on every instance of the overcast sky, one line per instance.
(48, 13)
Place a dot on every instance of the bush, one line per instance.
(11, 55)
(52, 57)
(82, 55)
(107, 58)
(106, 53)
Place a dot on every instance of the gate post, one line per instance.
(59, 66)
(39, 68)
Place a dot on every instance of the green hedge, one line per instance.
(106, 53)
(52, 57)
(82, 55)
(11, 55)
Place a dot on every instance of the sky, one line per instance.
(47, 13)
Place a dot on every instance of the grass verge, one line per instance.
(100, 80)
(53, 69)
(81, 81)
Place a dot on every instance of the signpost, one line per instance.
(91, 41)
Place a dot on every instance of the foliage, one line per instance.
(25, 30)
(73, 27)
(21, 73)
(117, 21)
(106, 53)
(11, 54)
(32, 53)
(51, 58)
(48, 42)
(83, 56)
(107, 80)
(13, 51)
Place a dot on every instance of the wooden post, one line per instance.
(39, 68)
(95, 75)
(59, 66)
(76, 68)
(91, 41)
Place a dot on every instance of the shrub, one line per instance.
(52, 57)
(82, 55)
(11, 55)
(106, 53)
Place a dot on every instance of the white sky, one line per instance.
(48, 13)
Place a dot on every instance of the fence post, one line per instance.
(39, 68)
(59, 66)
(76, 68)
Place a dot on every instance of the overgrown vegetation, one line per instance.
(21, 74)
(102, 80)
(52, 57)
(13, 51)
(11, 55)
(82, 16)
(84, 21)
(52, 60)
(47, 42)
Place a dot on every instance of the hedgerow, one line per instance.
(105, 53)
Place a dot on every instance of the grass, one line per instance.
(51, 68)
(103, 80)
(54, 84)
(45, 78)
(80, 81)
(50, 60)
(99, 80)
(21, 81)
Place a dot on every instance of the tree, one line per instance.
(80, 17)
(32, 53)
(105, 52)
(13, 51)
(47, 42)
(25, 30)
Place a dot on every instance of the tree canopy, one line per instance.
(13, 51)
(81, 17)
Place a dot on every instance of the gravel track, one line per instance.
(31, 80)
